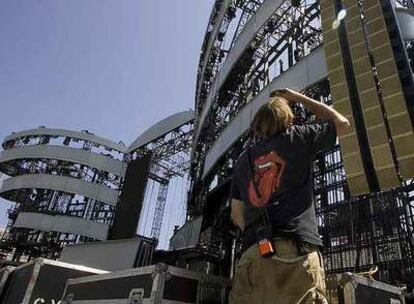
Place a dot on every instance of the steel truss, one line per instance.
(358, 233)
(19, 244)
(170, 158)
(292, 33)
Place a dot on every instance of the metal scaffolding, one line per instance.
(53, 174)
(291, 33)
(263, 45)
(170, 158)
(159, 210)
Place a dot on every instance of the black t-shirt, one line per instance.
(290, 202)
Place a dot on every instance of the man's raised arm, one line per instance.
(321, 110)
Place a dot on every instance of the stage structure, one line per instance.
(64, 185)
(70, 187)
(355, 54)
(168, 142)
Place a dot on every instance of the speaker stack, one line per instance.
(370, 82)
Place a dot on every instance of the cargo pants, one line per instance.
(285, 278)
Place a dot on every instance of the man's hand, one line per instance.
(321, 110)
(237, 213)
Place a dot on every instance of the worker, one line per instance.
(272, 203)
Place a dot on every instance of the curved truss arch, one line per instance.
(63, 224)
(60, 183)
(73, 155)
(85, 135)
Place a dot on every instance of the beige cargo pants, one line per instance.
(285, 278)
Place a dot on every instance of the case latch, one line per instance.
(136, 296)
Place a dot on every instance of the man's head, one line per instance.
(273, 117)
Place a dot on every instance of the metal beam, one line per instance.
(213, 36)
(256, 22)
(61, 223)
(161, 128)
(61, 183)
(78, 156)
(68, 133)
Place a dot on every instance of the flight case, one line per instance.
(156, 284)
(42, 281)
(349, 288)
(5, 274)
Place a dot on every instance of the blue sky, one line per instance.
(113, 67)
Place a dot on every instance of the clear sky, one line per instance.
(113, 67)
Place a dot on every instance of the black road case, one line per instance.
(42, 281)
(5, 274)
(151, 284)
(349, 288)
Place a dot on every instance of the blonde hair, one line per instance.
(273, 117)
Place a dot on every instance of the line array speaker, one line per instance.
(370, 103)
(395, 79)
(351, 151)
(381, 85)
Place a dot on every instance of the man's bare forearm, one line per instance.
(238, 220)
(321, 110)
(237, 213)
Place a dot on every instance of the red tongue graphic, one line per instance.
(268, 172)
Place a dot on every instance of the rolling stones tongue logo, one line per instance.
(268, 172)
